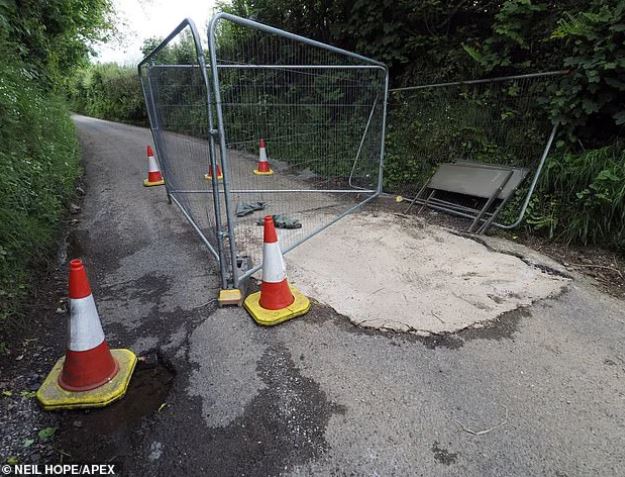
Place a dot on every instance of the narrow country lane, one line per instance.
(538, 392)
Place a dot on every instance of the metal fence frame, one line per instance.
(488, 219)
(227, 255)
(215, 67)
(155, 129)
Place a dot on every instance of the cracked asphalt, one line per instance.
(539, 391)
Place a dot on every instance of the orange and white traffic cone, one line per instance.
(276, 301)
(90, 374)
(154, 173)
(88, 359)
(262, 166)
(209, 176)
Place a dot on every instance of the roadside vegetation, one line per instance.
(41, 44)
(108, 91)
(581, 196)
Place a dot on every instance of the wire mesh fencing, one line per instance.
(499, 121)
(175, 85)
(319, 110)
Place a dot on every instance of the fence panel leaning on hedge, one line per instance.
(498, 121)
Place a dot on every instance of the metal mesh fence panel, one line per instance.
(175, 85)
(320, 112)
(501, 121)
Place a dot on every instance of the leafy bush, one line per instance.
(590, 102)
(50, 39)
(41, 44)
(582, 198)
(585, 37)
(109, 92)
(39, 157)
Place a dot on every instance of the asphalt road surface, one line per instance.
(540, 391)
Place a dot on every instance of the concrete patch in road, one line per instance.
(392, 272)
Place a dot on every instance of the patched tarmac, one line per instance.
(540, 387)
(393, 272)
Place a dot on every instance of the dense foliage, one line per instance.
(41, 43)
(433, 41)
(109, 92)
(586, 191)
(50, 39)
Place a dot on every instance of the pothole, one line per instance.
(147, 391)
(71, 247)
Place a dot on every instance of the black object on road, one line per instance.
(283, 222)
(247, 208)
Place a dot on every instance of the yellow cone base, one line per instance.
(209, 177)
(265, 317)
(147, 183)
(258, 173)
(51, 396)
(229, 297)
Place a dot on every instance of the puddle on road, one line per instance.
(107, 434)
(71, 247)
(148, 390)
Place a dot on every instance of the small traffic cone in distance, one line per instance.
(276, 301)
(90, 374)
(154, 173)
(209, 176)
(262, 166)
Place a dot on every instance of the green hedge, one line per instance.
(582, 198)
(39, 157)
(109, 92)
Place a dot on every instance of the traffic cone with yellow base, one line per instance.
(276, 301)
(154, 173)
(90, 374)
(209, 176)
(262, 166)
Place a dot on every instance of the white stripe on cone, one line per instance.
(274, 268)
(152, 165)
(85, 329)
(262, 157)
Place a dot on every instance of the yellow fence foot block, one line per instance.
(230, 297)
